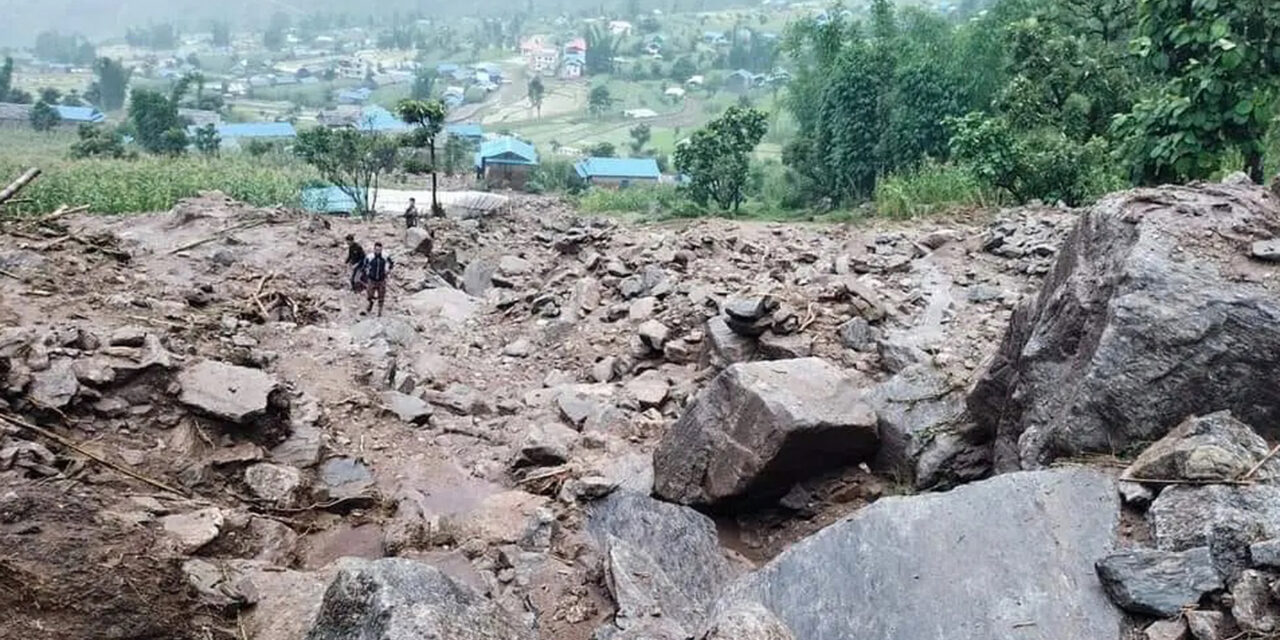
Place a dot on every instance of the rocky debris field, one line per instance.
(578, 428)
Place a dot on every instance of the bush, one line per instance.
(656, 200)
(555, 176)
(930, 189)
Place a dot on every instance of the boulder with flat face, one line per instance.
(1009, 558)
(759, 428)
(227, 392)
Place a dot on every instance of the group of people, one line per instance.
(369, 271)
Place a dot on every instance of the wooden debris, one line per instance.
(12, 190)
(203, 241)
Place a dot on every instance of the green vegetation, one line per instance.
(44, 117)
(427, 118)
(931, 188)
(716, 157)
(348, 159)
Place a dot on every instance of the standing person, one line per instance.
(411, 214)
(355, 260)
(376, 269)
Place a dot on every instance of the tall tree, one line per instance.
(537, 91)
(427, 117)
(640, 136)
(599, 100)
(44, 117)
(351, 160)
(6, 78)
(207, 141)
(111, 85)
(602, 47)
(716, 158)
(1221, 64)
(155, 120)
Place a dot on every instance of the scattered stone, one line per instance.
(856, 334)
(678, 352)
(759, 428)
(1166, 630)
(1206, 625)
(1158, 583)
(1136, 494)
(749, 310)
(477, 278)
(501, 518)
(1266, 250)
(128, 336)
(1253, 606)
(1209, 448)
(642, 309)
(746, 621)
(227, 392)
(727, 347)
(1265, 554)
(410, 409)
(546, 445)
(937, 239)
(631, 287)
(399, 599)
(581, 403)
(775, 347)
(654, 334)
(518, 349)
(885, 571)
(514, 266)
(275, 483)
(451, 306)
(301, 449)
(56, 386)
(192, 530)
(650, 389)
(1184, 517)
(418, 241)
(605, 369)
(345, 478)
(218, 586)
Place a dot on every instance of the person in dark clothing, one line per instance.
(411, 214)
(355, 260)
(376, 269)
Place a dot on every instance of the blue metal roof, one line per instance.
(633, 168)
(257, 130)
(80, 114)
(377, 118)
(466, 130)
(446, 68)
(506, 151)
(355, 95)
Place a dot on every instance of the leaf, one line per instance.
(1244, 107)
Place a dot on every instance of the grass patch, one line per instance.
(932, 188)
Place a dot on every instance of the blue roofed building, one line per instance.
(506, 161)
(80, 115)
(327, 200)
(470, 131)
(19, 115)
(377, 119)
(354, 96)
(231, 135)
(618, 172)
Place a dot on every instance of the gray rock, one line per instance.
(301, 449)
(128, 336)
(904, 567)
(418, 241)
(1131, 333)
(345, 478)
(856, 334)
(1135, 494)
(759, 428)
(1184, 517)
(1208, 448)
(192, 530)
(661, 558)
(218, 586)
(749, 309)
(1265, 554)
(1158, 583)
(776, 347)
(582, 403)
(477, 278)
(642, 309)
(411, 409)
(514, 266)
(920, 414)
(1166, 630)
(937, 239)
(451, 306)
(632, 287)
(650, 389)
(56, 386)
(746, 621)
(399, 599)
(1266, 250)
(520, 348)
(726, 346)
(654, 335)
(546, 445)
(1252, 604)
(1207, 625)
(274, 483)
(95, 372)
(227, 392)
(899, 351)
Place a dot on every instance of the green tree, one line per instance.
(1220, 62)
(683, 69)
(599, 100)
(6, 78)
(716, 158)
(72, 99)
(44, 117)
(155, 120)
(424, 82)
(50, 95)
(537, 92)
(427, 117)
(602, 48)
(640, 136)
(98, 142)
(602, 150)
(108, 91)
(207, 141)
(351, 160)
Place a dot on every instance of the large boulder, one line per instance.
(759, 428)
(1004, 559)
(1185, 517)
(450, 306)
(227, 392)
(1145, 320)
(662, 561)
(399, 599)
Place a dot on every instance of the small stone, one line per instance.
(190, 531)
(411, 409)
(274, 483)
(1266, 250)
(856, 334)
(605, 369)
(650, 389)
(514, 266)
(1167, 630)
(654, 334)
(1265, 554)
(678, 352)
(750, 309)
(1252, 604)
(1158, 583)
(546, 445)
(776, 347)
(1206, 625)
(1135, 494)
(518, 349)
(128, 336)
(642, 308)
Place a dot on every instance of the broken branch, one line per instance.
(17, 185)
(1270, 454)
(203, 241)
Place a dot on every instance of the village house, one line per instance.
(19, 115)
(506, 162)
(618, 172)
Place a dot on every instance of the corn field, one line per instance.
(144, 184)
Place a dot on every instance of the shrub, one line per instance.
(930, 189)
